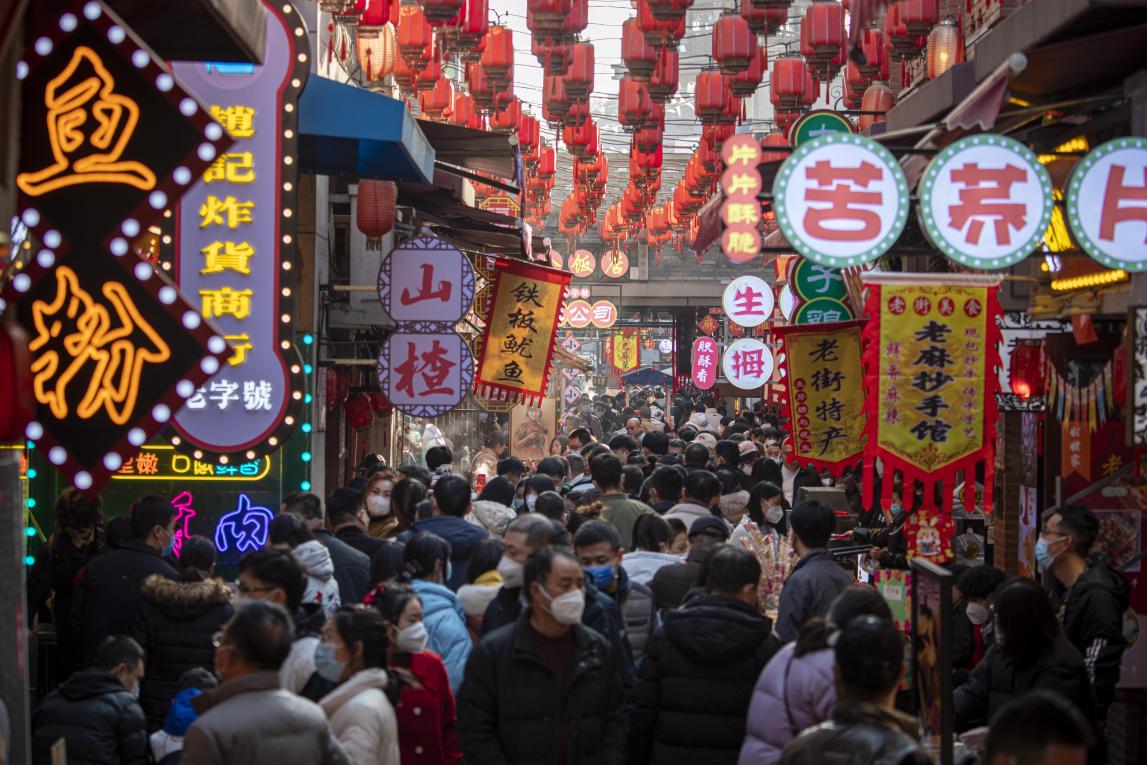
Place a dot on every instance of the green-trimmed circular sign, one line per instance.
(986, 201)
(841, 200)
(818, 123)
(812, 280)
(822, 311)
(1104, 203)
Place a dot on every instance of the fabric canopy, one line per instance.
(646, 376)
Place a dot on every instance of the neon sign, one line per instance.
(164, 463)
(244, 528)
(184, 512)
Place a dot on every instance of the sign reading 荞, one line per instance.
(236, 245)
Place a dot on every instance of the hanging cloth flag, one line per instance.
(625, 352)
(823, 392)
(930, 359)
(518, 344)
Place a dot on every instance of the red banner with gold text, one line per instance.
(930, 358)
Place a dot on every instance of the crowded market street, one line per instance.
(573, 382)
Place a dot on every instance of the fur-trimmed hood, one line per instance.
(185, 599)
(733, 506)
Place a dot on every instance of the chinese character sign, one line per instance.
(706, 356)
(747, 363)
(625, 353)
(425, 374)
(822, 311)
(1107, 203)
(930, 380)
(841, 200)
(603, 314)
(236, 243)
(741, 209)
(823, 381)
(516, 348)
(615, 264)
(582, 263)
(985, 201)
(426, 279)
(813, 281)
(748, 301)
(578, 314)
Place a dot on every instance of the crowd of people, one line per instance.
(605, 605)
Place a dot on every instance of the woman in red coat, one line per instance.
(425, 708)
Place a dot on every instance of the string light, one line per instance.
(1099, 279)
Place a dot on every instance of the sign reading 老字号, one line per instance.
(747, 363)
(236, 245)
(841, 200)
(1107, 203)
(985, 201)
(748, 301)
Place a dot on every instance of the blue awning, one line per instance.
(344, 130)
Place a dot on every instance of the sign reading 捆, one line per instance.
(236, 245)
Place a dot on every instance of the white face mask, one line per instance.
(774, 513)
(978, 613)
(511, 571)
(378, 505)
(412, 638)
(566, 608)
(826, 481)
(531, 501)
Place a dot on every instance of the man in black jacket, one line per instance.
(1091, 597)
(816, 579)
(352, 567)
(525, 535)
(108, 594)
(672, 583)
(544, 689)
(95, 710)
(346, 517)
(702, 664)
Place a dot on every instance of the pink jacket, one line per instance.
(782, 708)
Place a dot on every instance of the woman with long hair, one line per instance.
(354, 653)
(177, 620)
(404, 500)
(377, 498)
(425, 707)
(652, 538)
(426, 565)
(766, 510)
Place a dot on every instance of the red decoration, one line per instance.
(711, 96)
(19, 405)
(745, 83)
(733, 43)
(498, 58)
(640, 57)
(634, 105)
(579, 77)
(374, 212)
(438, 12)
(359, 412)
(877, 98)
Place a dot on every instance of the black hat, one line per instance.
(712, 526)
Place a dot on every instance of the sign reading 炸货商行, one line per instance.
(236, 246)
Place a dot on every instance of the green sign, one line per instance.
(822, 311)
(812, 280)
(818, 123)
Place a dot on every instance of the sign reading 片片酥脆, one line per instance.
(741, 208)
(236, 245)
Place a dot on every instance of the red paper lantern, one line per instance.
(666, 74)
(438, 99)
(787, 82)
(359, 412)
(733, 43)
(374, 209)
(877, 98)
(438, 12)
(375, 14)
(875, 66)
(509, 117)
(1025, 369)
(414, 36)
(545, 17)
(711, 96)
(555, 102)
(745, 83)
(498, 58)
(919, 16)
(579, 76)
(633, 103)
(822, 38)
(640, 57)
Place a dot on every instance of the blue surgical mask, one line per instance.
(602, 576)
(1042, 555)
(519, 504)
(169, 549)
(328, 667)
(449, 570)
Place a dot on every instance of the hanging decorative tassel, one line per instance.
(1101, 403)
(1092, 419)
(1109, 387)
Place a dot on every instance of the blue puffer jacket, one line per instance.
(446, 623)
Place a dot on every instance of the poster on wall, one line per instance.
(531, 430)
(1028, 524)
(1120, 538)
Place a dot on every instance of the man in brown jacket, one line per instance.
(249, 719)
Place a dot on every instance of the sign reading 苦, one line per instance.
(1105, 203)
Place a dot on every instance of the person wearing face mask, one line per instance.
(816, 578)
(977, 584)
(530, 489)
(597, 546)
(58, 563)
(427, 567)
(384, 521)
(425, 706)
(617, 507)
(95, 711)
(249, 718)
(348, 518)
(1091, 597)
(353, 653)
(109, 589)
(766, 511)
(544, 689)
(493, 510)
(525, 535)
(1030, 651)
(701, 664)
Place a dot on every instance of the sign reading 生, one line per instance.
(236, 246)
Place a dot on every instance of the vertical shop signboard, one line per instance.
(741, 209)
(1137, 376)
(236, 247)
